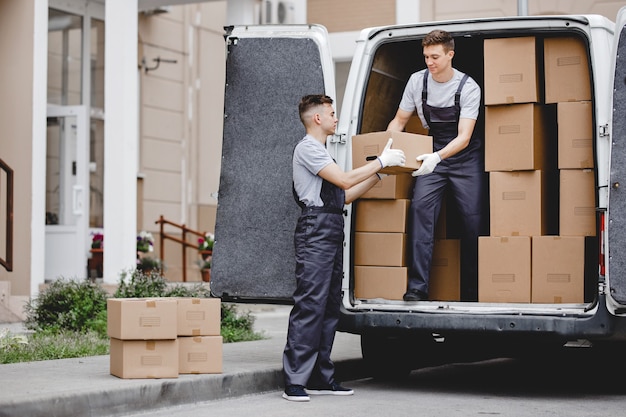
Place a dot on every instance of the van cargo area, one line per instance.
(539, 252)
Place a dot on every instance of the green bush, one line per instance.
(77, 306)
(152, 284)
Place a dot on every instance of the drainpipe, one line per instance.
(522, 7)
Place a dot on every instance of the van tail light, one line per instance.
(601, 258)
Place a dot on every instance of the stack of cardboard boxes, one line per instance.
(539, 155)
(380, 239)
(164, 337)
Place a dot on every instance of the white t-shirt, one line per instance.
(309, 158)
(441, 95)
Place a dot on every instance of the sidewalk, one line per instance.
(84, 386)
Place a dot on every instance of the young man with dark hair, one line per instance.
(321, 189)
(448, 102)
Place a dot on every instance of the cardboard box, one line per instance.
(142, 318)
(379, 249)
(504, 269)
(558, 269)
(516, 137)
(144, 358)
(386, 282)
(566, 70)
(199, 316)
(575, 133)
(577, 205)
(445, 271)
(382, 215)
(414, 125)
(520, 204)
(510, 71)
(200, 355)
(398, 186)
(366, 147)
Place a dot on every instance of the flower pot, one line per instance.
(206, 254)
(206, 275)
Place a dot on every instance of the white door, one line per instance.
(67, 182)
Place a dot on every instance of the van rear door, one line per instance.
(268, 70)
(616, 225)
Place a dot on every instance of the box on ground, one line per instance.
(510, 71)
(521, 204)
(142, 318)
(558, 269)
(366, 147)
(398, 186)
(144, 358)
(382, 215)
(518, 136)
(566, 70)
(504, 269)
(386, 282)
(200, 354)
(575, 133)
(577, 202)
(445, 271)
(379, 249)
(199, 316)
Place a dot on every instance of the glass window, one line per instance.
(64, 58)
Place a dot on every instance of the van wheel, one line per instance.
(389, 357)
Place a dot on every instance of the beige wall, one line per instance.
(181, 123)
(351, 15)
(16, 85)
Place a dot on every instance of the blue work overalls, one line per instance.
(463, 176)
(313, 320)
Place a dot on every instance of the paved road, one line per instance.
(575, 384)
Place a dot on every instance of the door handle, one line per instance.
(77, 200)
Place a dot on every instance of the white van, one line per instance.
(269, 68)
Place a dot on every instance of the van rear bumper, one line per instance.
(600, 325)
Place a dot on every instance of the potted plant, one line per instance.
(146, 264)
(145, 242)
(205, 270)
(205, 245)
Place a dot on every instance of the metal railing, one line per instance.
(6, 184)
(184, 230)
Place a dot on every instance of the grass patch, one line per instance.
(65, 344)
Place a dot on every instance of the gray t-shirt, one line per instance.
(309, 158)
(441, 95)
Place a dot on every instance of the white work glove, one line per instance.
(429, 162)
(391, 157)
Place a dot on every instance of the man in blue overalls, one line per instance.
(321, 189)
(448, 102)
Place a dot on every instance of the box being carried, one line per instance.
(368, 146)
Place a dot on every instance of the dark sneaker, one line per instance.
(333, 389)
(295, 393)
(415, 295)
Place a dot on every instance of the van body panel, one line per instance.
(616, 243)
(267, 72)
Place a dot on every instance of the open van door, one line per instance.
(616, 225)
(268, 70)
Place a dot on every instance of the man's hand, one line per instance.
(429, 162)
(391, 157)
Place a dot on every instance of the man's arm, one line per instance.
(400, 120)
(456, 145)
